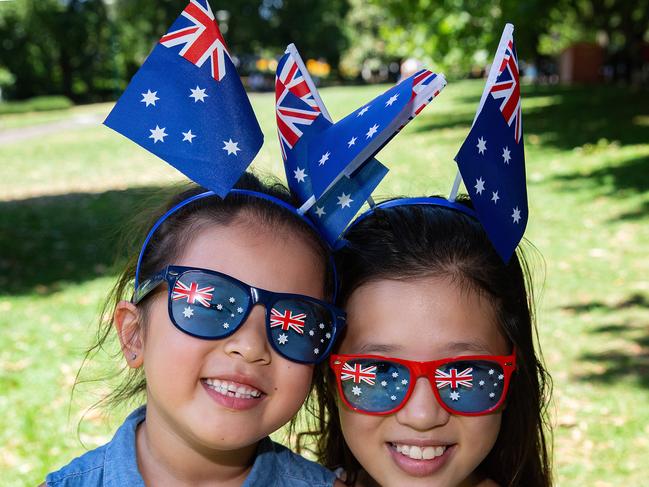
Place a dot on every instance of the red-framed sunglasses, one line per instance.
(471, 385)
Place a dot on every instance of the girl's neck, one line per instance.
(166, 458)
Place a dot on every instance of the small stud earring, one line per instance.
(134, 356)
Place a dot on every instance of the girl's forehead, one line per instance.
(421, 319)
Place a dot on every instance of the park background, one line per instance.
(70, 187)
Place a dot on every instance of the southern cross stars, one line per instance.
(149, 97)
(506, 155)
(516, 215)
(371, 131)
(319, 210)
(157, 134)
(324, 158)
(482, 145)
(344, 200)
(494, 196)
(479, 186)
(188, 136)
(299, 175)
(231, 146)
(198, 94)
(351, 142)
(362, 112)
(391, 100)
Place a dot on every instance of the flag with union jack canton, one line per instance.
(187, 105)
(492, 158)
(331, 166)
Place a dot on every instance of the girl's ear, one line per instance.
(127, 320)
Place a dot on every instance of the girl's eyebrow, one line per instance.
(456, 347)
(378, 348)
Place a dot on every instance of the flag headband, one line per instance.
(415, 201)
(243, 192)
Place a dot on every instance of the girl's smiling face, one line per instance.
(420, 319)
(179, 368)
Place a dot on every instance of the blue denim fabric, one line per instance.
(115, 465)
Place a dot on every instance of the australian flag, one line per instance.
(492, 158)
(187, 105)
(331, 167)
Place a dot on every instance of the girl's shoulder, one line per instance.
(110, 465)
(277, 465)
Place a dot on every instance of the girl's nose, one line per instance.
(422, 412)
(249, 342)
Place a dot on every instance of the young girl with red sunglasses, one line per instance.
(220, 322)
(436, 381)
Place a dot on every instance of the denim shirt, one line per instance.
(115, 464)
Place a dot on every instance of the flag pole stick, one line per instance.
(307, 77)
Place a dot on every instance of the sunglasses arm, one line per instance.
(149, 285)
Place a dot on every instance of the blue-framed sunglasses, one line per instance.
(210, 305)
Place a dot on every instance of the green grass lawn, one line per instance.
(64, 197)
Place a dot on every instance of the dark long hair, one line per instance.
(168, 243)
(405, 242)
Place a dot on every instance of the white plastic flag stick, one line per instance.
(494, 71)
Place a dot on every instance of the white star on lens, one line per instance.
(395, 374)
(495, 384)
(501, 377)
(232, 300)
(299, 175)
(321, 325)
(149, 97)
(391, 100)
(328, 335)
(319, 210)
(157, 134)
(404, 382)
(394, 398)
(351, 142)
(516, 216)
(198, 94)
(506, 155)
(356, 391)
(479, 186)
(231, 147)
(311, 332)
(362, 112)
(188, 136)
(482, 145)
(226, 325)
(491, 371)
(324, 158)
(316, 351)
(384, 383)
(492, 395)
(495, 197)
(219, 306)
(239, 309)
(454, 395)
(344, 200)
(188, 312)
(282, 339)
(231, 315)
(371, 131)
(322, 340)
(481, 383)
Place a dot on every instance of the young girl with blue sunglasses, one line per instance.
(436, 381)
(220, 333)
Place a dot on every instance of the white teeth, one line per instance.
(230, 389)
(418, 453)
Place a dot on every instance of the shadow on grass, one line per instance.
(631, 359)
(51, 241)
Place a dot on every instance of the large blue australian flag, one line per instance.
(187, 105)
(492, 159)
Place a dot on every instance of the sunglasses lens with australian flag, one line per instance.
(210, 305)
(468, 386)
